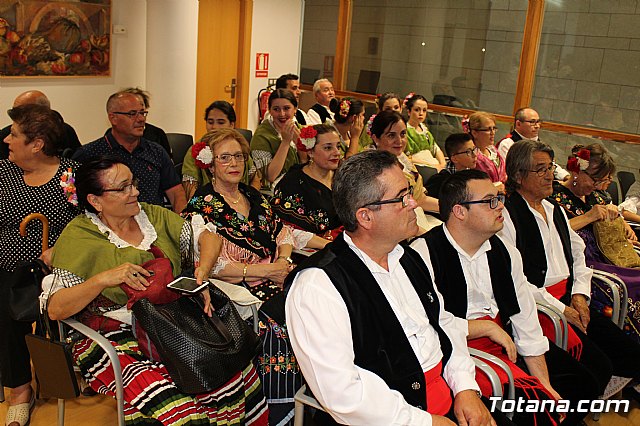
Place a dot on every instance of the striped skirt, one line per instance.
(151, 397)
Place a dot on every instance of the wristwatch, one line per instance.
(287, 258)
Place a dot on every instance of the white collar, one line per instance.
(148, 231)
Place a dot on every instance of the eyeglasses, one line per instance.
(127, 189)
(493, 201)
(132, 114)
(597, 182)
(471, 152)
(533, 122)
(542, 171)
(404, 199)
(225, 159)
(487, 129)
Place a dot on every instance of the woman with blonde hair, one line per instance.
(482, 127)
(255, 253)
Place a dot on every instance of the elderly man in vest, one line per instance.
(554, 263)
(320, 112)
(481, 280)
(369, 331)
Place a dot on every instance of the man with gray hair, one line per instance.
(70, 141)
(367, 325)
(148, 161)
(320, 112)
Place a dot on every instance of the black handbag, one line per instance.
(201, 353)
(24, 290)
(24, 283)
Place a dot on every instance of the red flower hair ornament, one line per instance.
(579, 161)
(202, 154)
(307, 139)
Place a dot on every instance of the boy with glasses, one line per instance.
(463, 155)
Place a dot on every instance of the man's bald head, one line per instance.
(32, 97)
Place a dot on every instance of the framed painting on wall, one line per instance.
(55, 38)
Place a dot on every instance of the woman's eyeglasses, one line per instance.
(487, 129)
(127, 189)
(493, 201)
(225, 159)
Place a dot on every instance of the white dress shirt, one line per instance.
(320, 331)
(314, 118)
(506, 144)
(527, 334)
(557, 269)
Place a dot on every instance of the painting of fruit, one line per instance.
(55, 38)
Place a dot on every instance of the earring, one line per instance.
(574, 180)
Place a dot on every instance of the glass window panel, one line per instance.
(319, 39)
(587, 72)
(462, 53)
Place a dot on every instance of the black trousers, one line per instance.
(622, 352)
(15, 364)
(572, 380)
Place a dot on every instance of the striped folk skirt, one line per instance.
(151, 397)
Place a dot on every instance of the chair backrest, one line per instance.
(613, 191)
(626, 179)
(180, 144)
(426, 172)
(246, 133)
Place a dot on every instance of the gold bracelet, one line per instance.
(244, 271)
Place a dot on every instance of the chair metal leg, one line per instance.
(60, 412)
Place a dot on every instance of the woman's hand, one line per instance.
(128, 273)
(201, 274)
(356, 128)
(278, 271)
(600, 212)
(629, 232)
(289, 132)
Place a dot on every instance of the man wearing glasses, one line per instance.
(526, 125)
(148, 161)
(554, 263)
(463, 155)
(369, 331)
(481, 280)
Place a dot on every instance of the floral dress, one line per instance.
(304, 203)
(255, 239)
(602, 298)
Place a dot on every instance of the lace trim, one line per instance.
(190, 179)
(261, 158)
(149, 234)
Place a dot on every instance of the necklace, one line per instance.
(231, 200)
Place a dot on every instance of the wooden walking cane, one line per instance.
(45, 228)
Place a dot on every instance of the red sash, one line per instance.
(574, 346)
(438, 393)
(530, 386)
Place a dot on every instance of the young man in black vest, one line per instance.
(369, 331)
(554, 263)
(481, 280)
(320, 112)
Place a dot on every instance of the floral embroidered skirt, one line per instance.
(151, 397)
(276, 364)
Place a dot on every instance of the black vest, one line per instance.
(529, 241)
(379, 342)
(449, 277)
(300, 118)
(322, 112)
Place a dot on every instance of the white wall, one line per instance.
(172, 37)
(276, 30)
